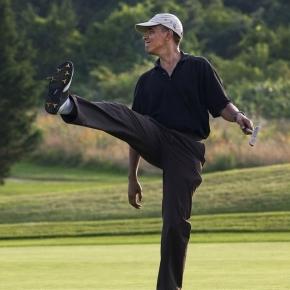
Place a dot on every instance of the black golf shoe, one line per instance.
(58, 88)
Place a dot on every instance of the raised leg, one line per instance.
(141, 132)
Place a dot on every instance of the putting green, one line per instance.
(210, 266)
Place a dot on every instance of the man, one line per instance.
(169, 118)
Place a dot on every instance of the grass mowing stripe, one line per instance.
(260, 237)
(227, 266)
(30, 171)
(242, 222)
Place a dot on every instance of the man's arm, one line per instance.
(232, 114)
(134, 187)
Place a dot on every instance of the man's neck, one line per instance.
(169, 60)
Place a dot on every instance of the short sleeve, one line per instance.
(215, 95)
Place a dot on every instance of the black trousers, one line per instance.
(179, 155)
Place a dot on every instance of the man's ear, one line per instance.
(169, 34)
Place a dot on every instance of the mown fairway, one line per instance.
(94, 240)
(215, 266)
(58, 202)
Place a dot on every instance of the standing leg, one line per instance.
(181, 176)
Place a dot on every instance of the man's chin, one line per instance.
(149, 51)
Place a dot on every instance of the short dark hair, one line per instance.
(176, 37)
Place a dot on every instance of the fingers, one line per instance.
(139, 197)
(249, 124)
(135, 200)
(247, 131)
(134, 203)
(135, 194)
(246, 126)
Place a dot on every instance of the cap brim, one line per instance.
(141, 27)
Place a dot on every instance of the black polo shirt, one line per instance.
(183, 100)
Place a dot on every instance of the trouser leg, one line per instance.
(118, 120)
(181, 176)
(176, 154)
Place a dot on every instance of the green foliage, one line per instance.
(268, 98)
(255, 85)
(222, 29)
(17, 91)
(120, 86)
(113, 42)
(281, 45)
(247, 41)
(54, 35)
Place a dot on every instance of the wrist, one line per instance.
(132, 177)
(236, 115)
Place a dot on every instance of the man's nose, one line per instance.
(145, 35)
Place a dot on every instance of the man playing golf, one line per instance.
(168, 121)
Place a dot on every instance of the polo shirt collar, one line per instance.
(184, 56)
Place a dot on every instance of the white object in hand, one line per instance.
(254, 136)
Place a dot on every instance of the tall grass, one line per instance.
(63, 143)
(226, 147)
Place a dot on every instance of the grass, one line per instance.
(231, 223)
(215, 237)
(32, 171)
(60, 194)
(72, 229)
(227, 266)
(226, 147)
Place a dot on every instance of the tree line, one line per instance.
(247, 41)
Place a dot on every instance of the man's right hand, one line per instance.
(134, 193)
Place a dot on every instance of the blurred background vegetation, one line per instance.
(247, 41)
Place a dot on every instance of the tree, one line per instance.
(222, 30)
(54, 36)
(114, 43)
(17, 91)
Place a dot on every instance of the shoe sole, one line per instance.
(72, 74)
(50, 105)
(66, 88)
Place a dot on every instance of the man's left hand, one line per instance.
(245, 123)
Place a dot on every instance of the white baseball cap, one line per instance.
(166, 19)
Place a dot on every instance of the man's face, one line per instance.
(155, 39)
